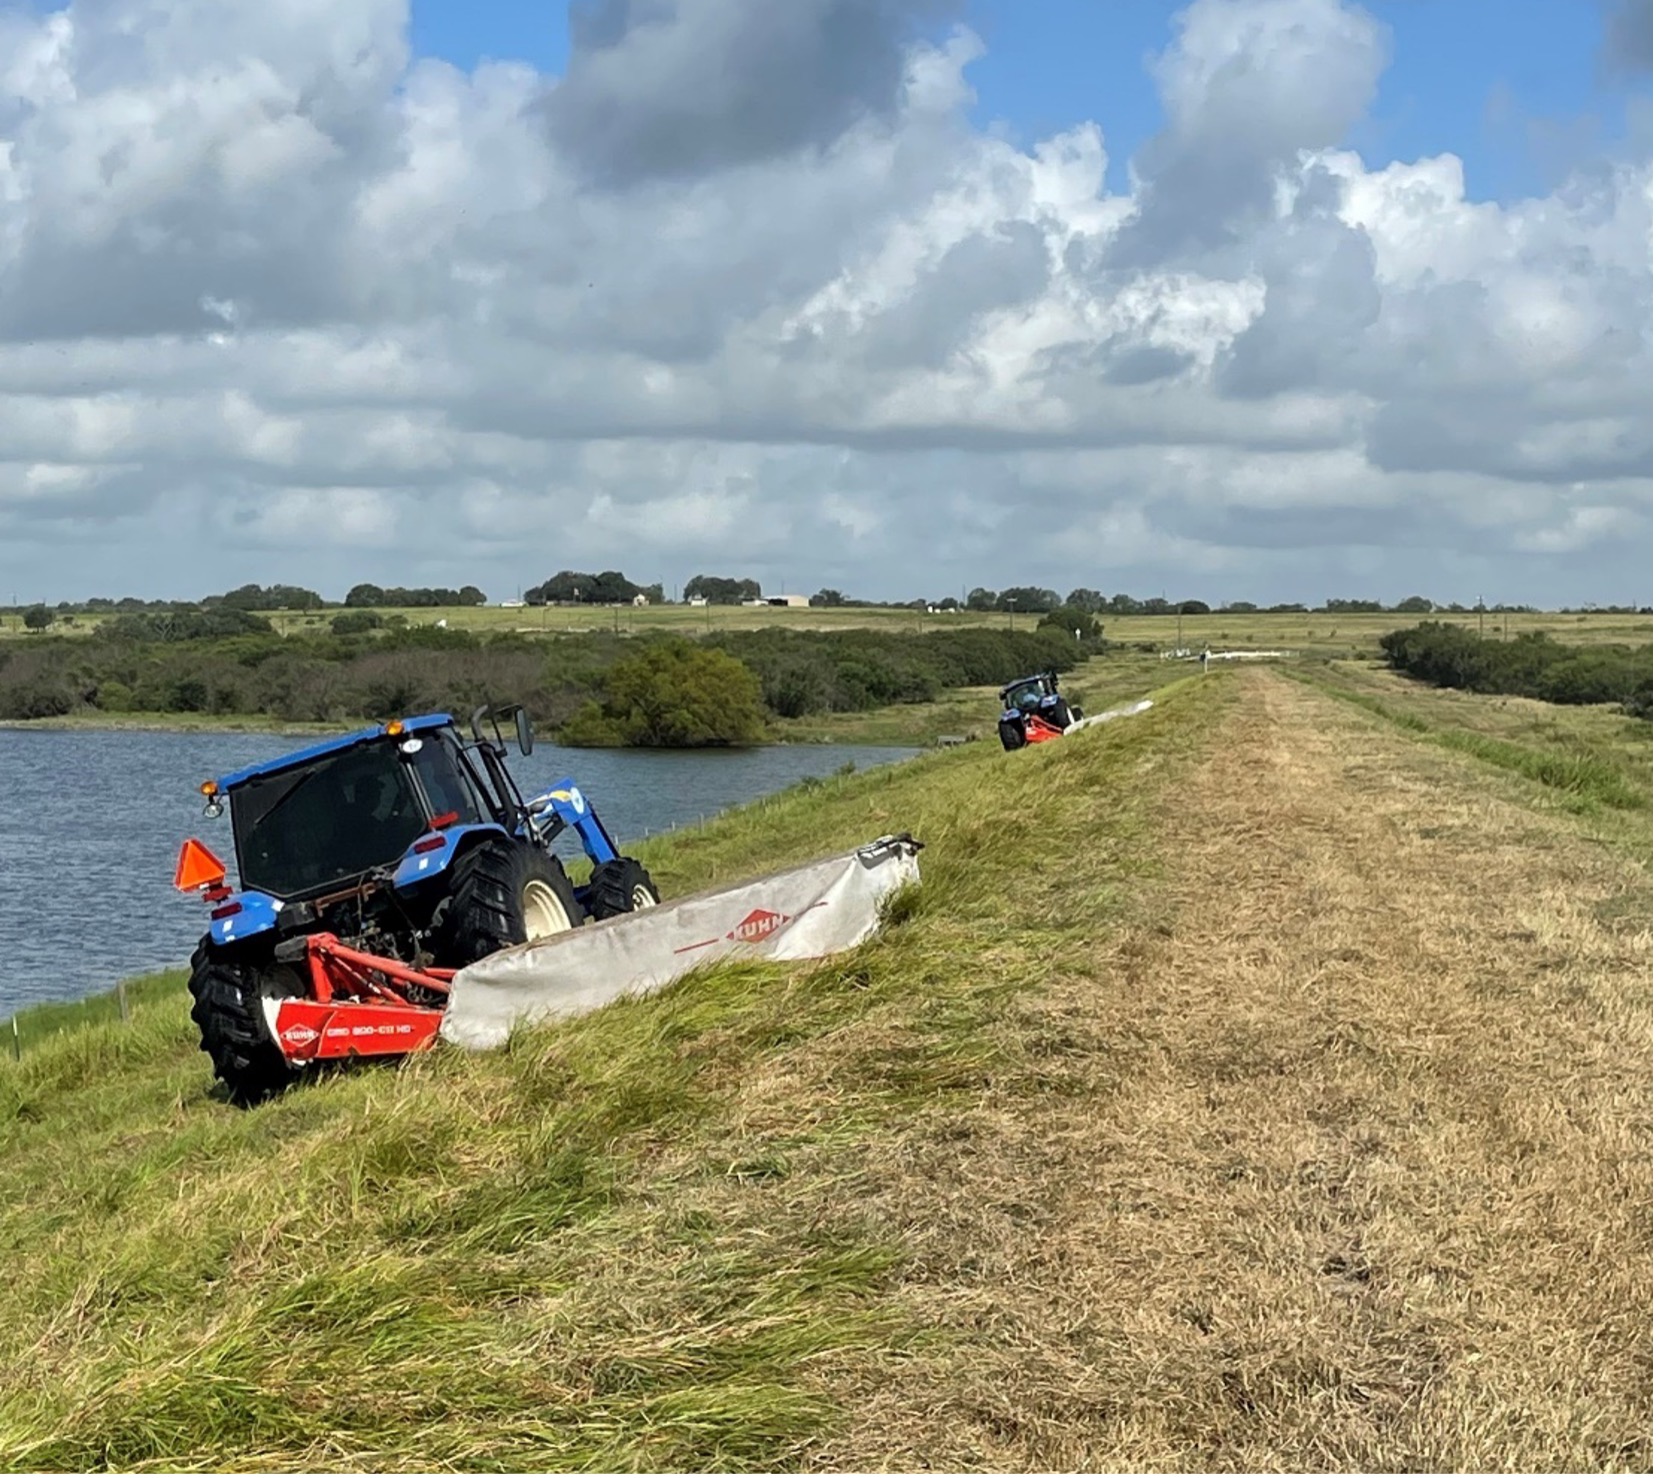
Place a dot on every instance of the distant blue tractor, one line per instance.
(371, 867)
(1033, 711)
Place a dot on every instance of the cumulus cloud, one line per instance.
(745, 291)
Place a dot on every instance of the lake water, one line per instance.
(91, 823)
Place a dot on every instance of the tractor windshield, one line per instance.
(1018, 692)
(324, 823)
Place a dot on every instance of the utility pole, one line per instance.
(1480, 618)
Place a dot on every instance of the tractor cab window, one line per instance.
(325, 823)
(1024, 695)
(447, 786)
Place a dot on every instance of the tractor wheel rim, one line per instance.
(642, 897)
(543, 911)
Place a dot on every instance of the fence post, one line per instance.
(120, 995)
(17, 1041)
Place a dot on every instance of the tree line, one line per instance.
(230, 662)
(1530, 666)
(612, 587)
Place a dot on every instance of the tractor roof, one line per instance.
(329, 746)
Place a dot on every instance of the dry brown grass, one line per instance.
(1339, 1158)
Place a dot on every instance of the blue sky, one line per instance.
(1515, 87)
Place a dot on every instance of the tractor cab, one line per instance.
(1027, 693)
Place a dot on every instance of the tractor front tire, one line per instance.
(1012, 734)
(622, 886)
(1062, 714)
(504, 892)
(229, 1010)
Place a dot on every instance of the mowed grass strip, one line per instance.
(1338, 1159)
(639, 1239)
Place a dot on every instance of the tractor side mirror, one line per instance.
(525, 733)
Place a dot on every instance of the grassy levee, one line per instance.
(1251, 1085)
(633, 1240)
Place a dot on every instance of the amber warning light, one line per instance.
(197, 868)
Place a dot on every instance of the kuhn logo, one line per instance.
(757, 925)
(299, 1035)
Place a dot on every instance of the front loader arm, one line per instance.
(565, 805)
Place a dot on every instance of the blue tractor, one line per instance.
(371, 867)
(1033, 711)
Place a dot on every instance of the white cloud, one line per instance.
(276, 303)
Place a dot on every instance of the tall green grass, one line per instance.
(629, 1240)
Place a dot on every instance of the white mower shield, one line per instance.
(799, 913)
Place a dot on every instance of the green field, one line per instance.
(1312, 633)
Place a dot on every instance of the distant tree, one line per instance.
(1125, 605)
(1413, 605)
(1238, 607)
(1155, 606)
(981, 599)
(470, 595)
(268, 598)
(1193, 608)
(365, 595)
(1291, 606)
(1082, 599)
(1071, 620)
(1351, 607)
(1027, 598)
(37, 618)
(948, 603)
(720, 591)
(352, 623)
(828, 598)
(186, 625)
(674, 695)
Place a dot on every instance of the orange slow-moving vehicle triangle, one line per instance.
(197, 867)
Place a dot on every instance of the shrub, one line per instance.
(673, 695)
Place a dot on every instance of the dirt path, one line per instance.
(1338, 1158)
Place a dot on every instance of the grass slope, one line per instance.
(591, 1250)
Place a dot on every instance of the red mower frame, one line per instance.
(357, 1006)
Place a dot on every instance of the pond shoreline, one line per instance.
(186, 723)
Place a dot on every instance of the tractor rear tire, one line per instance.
(622, 886)
(504, 892)
(1012, 734)
(229, 1010)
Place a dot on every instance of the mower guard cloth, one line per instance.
(799, 913)
(1103, 718)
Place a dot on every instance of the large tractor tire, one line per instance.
(1012, 734)
(1060, 714)
(504, 892)
(622, 886)
(229, 1010)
